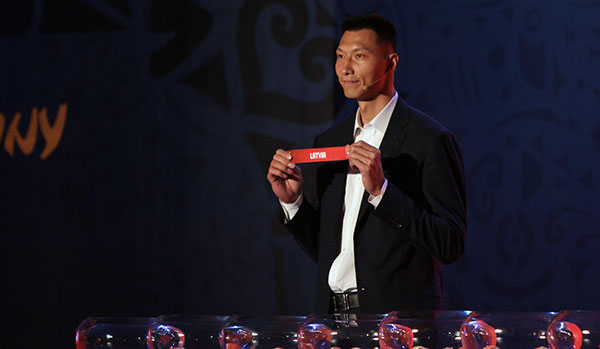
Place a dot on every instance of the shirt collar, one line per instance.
(382, 119)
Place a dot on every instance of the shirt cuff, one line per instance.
(290, 210)
(375, 200)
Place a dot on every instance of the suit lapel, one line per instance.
(390, 145)
(395, 135)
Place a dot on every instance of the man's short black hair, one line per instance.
(385, 29)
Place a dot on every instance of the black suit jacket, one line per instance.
(419, 223)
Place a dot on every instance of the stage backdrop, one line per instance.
(135, 138)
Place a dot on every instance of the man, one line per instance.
(379, 225)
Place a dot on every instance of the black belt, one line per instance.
(345, 301)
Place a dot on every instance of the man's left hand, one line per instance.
(367, 159)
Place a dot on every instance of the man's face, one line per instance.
(361, 64)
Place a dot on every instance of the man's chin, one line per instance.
(358, 95)
(352, 94)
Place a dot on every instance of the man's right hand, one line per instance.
(285, 177)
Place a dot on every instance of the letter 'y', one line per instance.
(52, 134)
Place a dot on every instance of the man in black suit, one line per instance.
(379, 225)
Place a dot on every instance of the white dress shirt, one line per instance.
(342, 275)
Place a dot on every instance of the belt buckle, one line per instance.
(341, 302)
(346, 302)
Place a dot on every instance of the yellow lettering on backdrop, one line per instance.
(12, 135)
(52, 134)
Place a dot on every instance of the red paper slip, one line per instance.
(318, 154)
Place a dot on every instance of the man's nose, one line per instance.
(347, 68)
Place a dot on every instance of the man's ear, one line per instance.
(392, 61)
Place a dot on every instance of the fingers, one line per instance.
(282, 167)
(280, 153)
(296, 174)
(367, 159)
(362, 155)
(274, 174)
(363, 149)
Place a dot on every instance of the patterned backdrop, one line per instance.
(135, 138)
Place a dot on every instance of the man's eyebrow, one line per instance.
(361, 48)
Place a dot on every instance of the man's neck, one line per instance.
(369, 109)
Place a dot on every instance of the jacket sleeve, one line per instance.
(437, 223)
(305, 225)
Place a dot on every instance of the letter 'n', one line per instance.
(13, 136)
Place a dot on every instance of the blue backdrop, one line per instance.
(135, 138)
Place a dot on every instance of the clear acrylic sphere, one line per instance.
(165, 337)
(236, 337)
(476, 334)
(393, 334)
(564, 335)
(314, 335)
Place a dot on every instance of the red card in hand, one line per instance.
(318, 154)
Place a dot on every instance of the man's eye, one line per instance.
(359, 55)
